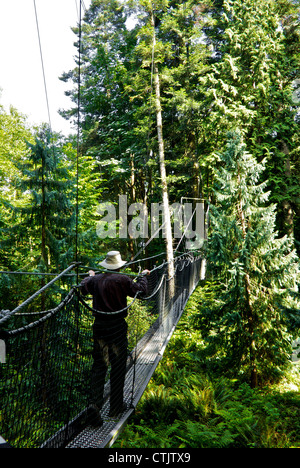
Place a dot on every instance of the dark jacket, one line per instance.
(110, 292)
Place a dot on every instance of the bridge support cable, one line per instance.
(46, 381)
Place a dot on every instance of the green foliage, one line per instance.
(50, 210)
(221, 65)
(186, 407)
(13, 149)
(251, 320)
(250, 85)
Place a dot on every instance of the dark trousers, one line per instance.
(110, 347)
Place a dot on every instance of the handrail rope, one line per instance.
(31, 298)
(155, 290)
(5, 314)
(50, 313)
(125, 308)
(101, 312)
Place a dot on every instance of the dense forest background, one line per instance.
(208, 92)
(221, 66)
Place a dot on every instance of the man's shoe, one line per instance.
(93, 417)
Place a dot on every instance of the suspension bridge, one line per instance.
(45, 377)
(45, 380)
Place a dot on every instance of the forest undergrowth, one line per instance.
(191, 403)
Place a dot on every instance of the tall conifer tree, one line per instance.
(48, 218)
(253, 316)
(253, 68)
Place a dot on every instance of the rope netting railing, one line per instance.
(53, 363)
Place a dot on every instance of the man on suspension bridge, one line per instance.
(110, 291)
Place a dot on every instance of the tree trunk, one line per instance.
(132, 200)
(163, 174)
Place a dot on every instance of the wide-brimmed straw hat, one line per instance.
(113, 261)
